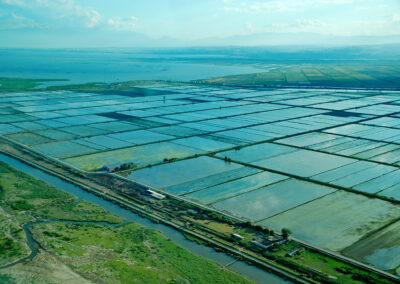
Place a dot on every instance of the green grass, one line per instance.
(8, 85)
(105, 254)
(19, 84)
(24, 199)
(21, 192)
(7, 279)
(344, 273)
(103, 87)
(9, 248)
(12, 245)
(128, 254)
(12, 239)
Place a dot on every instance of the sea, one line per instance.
(112, 65)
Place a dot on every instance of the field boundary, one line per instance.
(151, 216)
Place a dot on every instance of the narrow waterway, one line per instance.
(34, 245)
(221, 258)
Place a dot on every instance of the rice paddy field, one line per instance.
(323, 163)
(335, 74)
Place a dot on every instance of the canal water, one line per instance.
(221, 258)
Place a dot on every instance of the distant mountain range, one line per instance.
(89, 38)
(274, 39)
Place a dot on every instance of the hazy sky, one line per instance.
(197, 19)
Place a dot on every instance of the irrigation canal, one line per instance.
(221, 258)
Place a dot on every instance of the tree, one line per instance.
(267, 230)
(286, 233)
(258, 228)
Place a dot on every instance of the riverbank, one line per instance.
(177, 237)
(26, 198)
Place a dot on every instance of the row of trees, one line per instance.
(285, 231)
(125, 166)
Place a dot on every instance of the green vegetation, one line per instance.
(10, 248)
(104, 87)
(125, 166)
(128, 254)
(21, 192)
(24, 199)
(285, 232)
(6, 279)
(100, 253)
(334, 270)
(376, 75)
(379, 74)
(18, 84)
(12, 239)
(8, 85)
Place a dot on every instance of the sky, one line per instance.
(80, 23)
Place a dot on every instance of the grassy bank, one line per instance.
(21, 84)
(128, 254)
(25, 199)
(31, 199)
(87, 252)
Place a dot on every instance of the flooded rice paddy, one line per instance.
(324, 163)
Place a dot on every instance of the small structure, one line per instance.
(155, 195)
(279, 242)
(192, 211)
(257, 244)
(238, 237)
(110, 168)
(297, 251)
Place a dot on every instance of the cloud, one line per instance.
(396, 18)
(13, 21)
(240, 17)
(70, 11)
(252, 7)
(64, 14)
(308, 23)
(327, 17)
(13, 2)
(89, 17)
(123, 24)
(378, 26)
